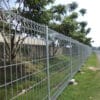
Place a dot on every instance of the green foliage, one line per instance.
(59, 9)
(74, 15)
(35, 10)
(88, 31)
(83, 24)
(72, 6)
(57, 12)
(68, 26)
(37, 74)
(87, 41)
(66, 15)
(88, 83)
(82, 11)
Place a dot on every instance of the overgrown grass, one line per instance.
(88, 87)
(57, 73)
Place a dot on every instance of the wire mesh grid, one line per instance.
(36, 63)
(23, 58)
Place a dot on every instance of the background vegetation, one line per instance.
(62, 18)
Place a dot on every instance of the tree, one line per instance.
(60, 9)
(35, 10)
(8, 32)
(82, 24)
(68, 26)
(88, 31)
(82, 11)
(57, 12)
(72, 6)
(74, 15)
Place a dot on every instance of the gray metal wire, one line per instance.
(44, 61)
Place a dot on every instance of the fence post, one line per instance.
(79, 65)
(47, 59)
(71, 57)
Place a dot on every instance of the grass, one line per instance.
(57, 74)
(88, 87)
(41, 92)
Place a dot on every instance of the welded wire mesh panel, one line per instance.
(36, 63)
(75, 56)
(79, 54)
(23, 67)
(59, 59)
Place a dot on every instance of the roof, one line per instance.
(28, 40)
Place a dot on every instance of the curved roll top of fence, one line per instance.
(36, 63)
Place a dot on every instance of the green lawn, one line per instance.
(88, 87)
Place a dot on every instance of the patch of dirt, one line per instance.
(93, 68)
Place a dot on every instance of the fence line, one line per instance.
(36, 63)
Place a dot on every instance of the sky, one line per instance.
(92, 17)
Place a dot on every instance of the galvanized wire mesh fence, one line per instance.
(36, 63)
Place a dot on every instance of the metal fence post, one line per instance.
(5, 72)
(47, 55)
(79, 56)
(71, 57)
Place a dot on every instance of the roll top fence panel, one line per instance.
(36, 63)
(23, 60)
(59, 59)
